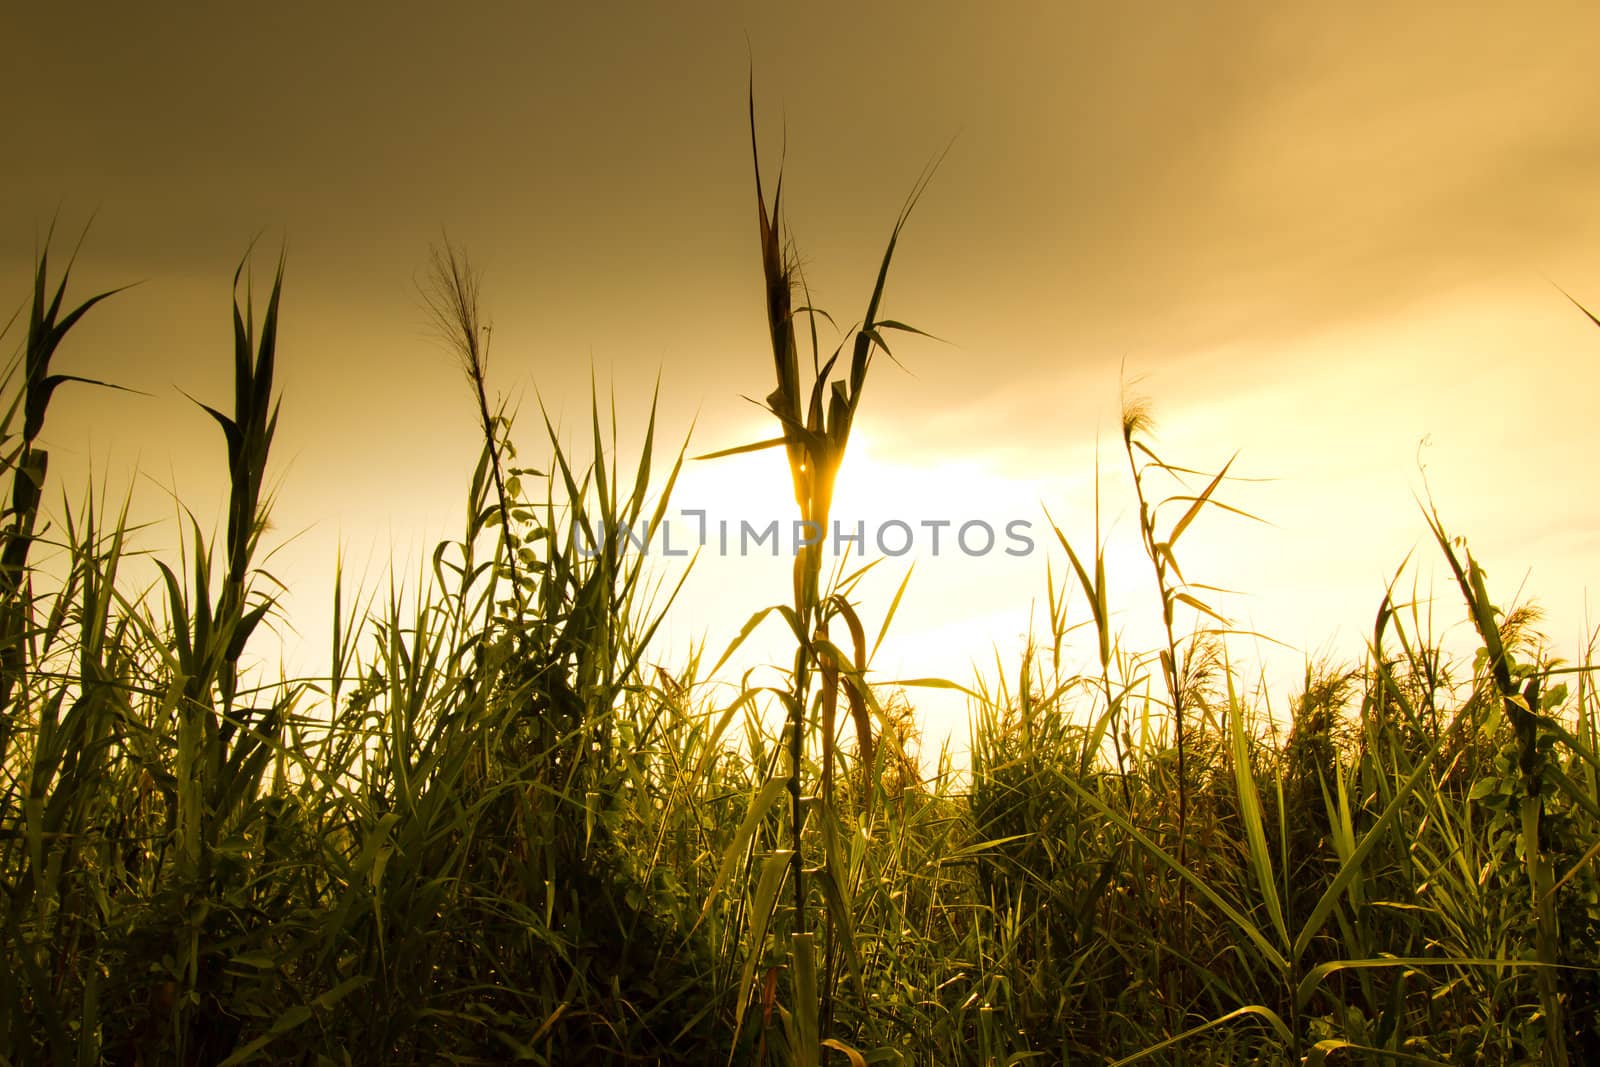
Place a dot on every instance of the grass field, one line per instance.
(489, 832)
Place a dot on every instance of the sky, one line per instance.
(1331, 239)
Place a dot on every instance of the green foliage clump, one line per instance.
(493, 832)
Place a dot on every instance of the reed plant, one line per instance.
(815, 414)
(497, 828)
(25, 460)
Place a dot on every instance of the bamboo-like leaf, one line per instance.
(750, 625)
(1589, 314)
(935, 683)
(1197, 605)
(1198, 502)
(894, 606)
(758, 446)
(1314, 977)
(762, 906)
(1267, 1015)
(807, 1048)
(244, 628)
(856, 1058)
(834, 879)
(891, 324)
(1250, 811)
(855, 684)
(179, 618)
(760, 803)
(38, 400)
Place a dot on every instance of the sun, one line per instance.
(970, 534)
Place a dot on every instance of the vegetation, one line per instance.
(490, 833)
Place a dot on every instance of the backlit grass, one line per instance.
(490, 833)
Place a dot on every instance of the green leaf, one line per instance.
(1484, 787)
(761, 909)
(735, 853)
(1199, 502)
(1250, 810)
(740, 449)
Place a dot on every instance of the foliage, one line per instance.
(492, 831)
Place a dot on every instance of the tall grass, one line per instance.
(491, 831)
(815, 414)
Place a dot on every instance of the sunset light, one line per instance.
(986, 534)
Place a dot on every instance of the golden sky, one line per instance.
(1320, 234)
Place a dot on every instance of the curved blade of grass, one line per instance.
(1259, 1011)
(1268, 951)
(1250, 810)
(760, 803)
(762, 906)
